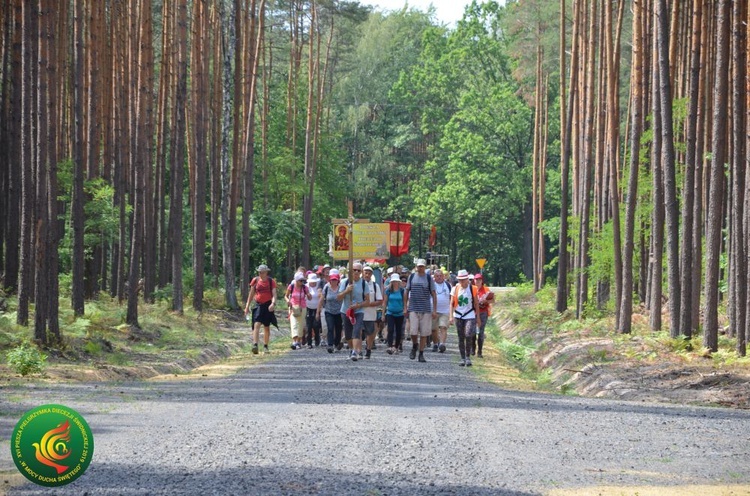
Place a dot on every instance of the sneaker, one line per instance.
(330, 349)
(468, 362)
(309, 346)
(442, 348)
(360, 355)
(462, 362)
(293, 346)
(353, 356)
(434, 347)
(255, 348)
(413, 353)
(421, 357)
(339, 346)
(390, 350)
(265, 348)
(368, 353)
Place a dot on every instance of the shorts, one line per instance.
(420, 323)
(262, 314)
(369, 327)
(353, 331)
(440, 320)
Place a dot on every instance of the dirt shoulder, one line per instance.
(214, 344)
(588, 358)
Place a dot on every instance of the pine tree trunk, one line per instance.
(227, 247)
(688, 191)
(178, 165)
(78, 199)
(27, 258)
(200, 75)
(716, 192)
(636, 126)
(738, 164)
(13, 86)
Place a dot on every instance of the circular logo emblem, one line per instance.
(52, 445)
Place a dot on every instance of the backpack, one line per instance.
(430, 281)
(347, 284)
(271, 284)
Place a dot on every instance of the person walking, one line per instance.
(354, 298)
(421, 302)
(486, 297)
(263, 292)
(393, 313)
(370, 317)
(297, 296)
(440, 322)
(464, 311)
(312, 319)
(331, 306)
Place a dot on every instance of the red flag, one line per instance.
(400, 235)
(433, 237)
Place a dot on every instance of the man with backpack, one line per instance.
(464, 311)
(440, 322)
(371, 310)
(355, 297)
(421, 302)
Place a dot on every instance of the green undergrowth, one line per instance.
(101, 336)
(526, 327)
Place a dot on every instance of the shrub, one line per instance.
(26, 359)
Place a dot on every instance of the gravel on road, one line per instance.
(310, 422)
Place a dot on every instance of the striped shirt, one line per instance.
(420, 290)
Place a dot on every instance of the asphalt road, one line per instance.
(307, 422)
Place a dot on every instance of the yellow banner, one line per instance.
(370, 241)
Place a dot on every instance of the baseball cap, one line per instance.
(421, 262)
(299, 276)
(367, 267)
(478, 276)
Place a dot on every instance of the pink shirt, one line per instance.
(298, 295)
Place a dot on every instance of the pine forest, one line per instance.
(155, 149)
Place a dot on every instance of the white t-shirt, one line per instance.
(315, 293)
(464, 302)
(443, 292)
(371, 313)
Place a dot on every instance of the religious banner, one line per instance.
(370, 240)
(400, 234)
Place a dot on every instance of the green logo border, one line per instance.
(31, 428)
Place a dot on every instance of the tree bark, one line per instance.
(636, 126)
(228, 34)
(716, 192)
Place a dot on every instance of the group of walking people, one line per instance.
(355, 310)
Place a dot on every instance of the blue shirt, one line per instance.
(356, 296)
(395, 302)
